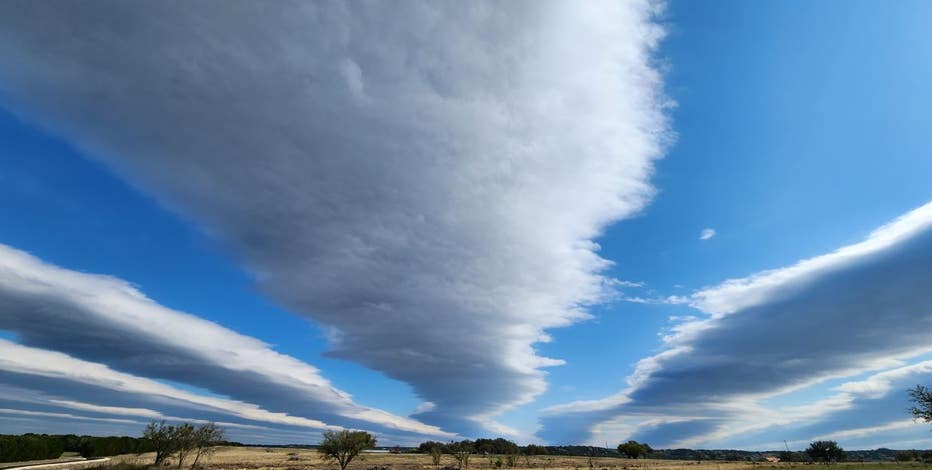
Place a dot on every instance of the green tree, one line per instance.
(497, 446)
(825, 451)
(343, 446)
(30, 447)
(534, 449)
(634, 449)
(427, 446)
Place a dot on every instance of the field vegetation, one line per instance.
(263, 458)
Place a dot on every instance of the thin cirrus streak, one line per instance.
(423, 179)
(864, 307)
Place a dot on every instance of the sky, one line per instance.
(695, 224)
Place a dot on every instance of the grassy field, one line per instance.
(257, 458)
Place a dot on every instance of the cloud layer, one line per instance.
(110, 333)
(424, 180)
(36, 381)
(863, 307)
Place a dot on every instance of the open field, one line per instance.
(258, 458)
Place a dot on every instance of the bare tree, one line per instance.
(161, 436)
(183, 437)
(922, 397)
(206, 437)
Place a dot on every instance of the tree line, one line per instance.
(498, 446)
(184, 442)
(52, 446)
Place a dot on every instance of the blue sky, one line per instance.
(399, 227)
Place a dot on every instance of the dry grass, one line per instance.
(258, 458)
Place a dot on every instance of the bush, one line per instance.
(926, 456)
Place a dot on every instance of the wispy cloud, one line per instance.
(706, 233)
(858, 309)
(389, 170)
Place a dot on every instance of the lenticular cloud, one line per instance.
(711, 382)
(423, 179)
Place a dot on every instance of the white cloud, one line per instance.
(49, 414)
(114, 410)
(736, 294)
(864, 307)
(706, 233)
(423, 179)
(107, 320)
(869, 430)
(22, 360)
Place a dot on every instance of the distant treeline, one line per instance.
(717, 454)
(875, 455)
(582, 451)
(497, 446)
(506, 447)
(29, 447)
(45, 446)
(501, 446)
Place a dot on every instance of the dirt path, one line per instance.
(73, 465)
